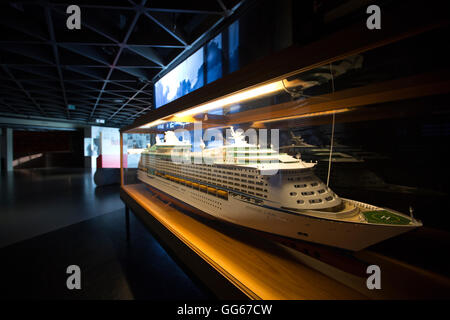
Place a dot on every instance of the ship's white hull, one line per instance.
(342, 234)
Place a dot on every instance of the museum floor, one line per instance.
(53, 218)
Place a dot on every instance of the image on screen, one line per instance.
(88, 150)
(233, 47)
(214, 59)
(186, 77)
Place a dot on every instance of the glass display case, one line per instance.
(349, 153)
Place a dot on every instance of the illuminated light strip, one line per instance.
(234, 98)
(152, 124)
(222, 102)
(240, 97)
(307, 115)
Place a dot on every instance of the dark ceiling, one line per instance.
(105, 68)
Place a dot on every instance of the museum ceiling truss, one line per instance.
(104, 69)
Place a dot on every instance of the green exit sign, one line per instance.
(71, 107)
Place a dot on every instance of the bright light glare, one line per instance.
(152, 124)
(234, 98)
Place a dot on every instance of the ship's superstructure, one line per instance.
(263, 189)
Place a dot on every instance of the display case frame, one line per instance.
(223, 271)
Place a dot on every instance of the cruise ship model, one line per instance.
(262, 189)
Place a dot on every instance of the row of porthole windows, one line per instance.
(209, 200)
(300, 178)
(305, 193)
(216, 206)
(313, 201)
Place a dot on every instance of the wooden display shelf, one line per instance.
(260, 269)
(237, 264)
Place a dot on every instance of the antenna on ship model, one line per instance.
(238, 136)
(411, 211)
(202, 144)
(332, 130)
